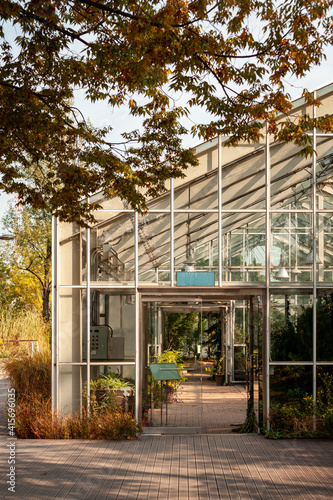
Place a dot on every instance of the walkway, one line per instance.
(202, 407)
(3, 399)
(201, 467)
(188, 467)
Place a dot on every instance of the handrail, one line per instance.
(26, 340)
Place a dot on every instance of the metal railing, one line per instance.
(33, 341)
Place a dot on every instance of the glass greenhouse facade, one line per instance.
(248, 234)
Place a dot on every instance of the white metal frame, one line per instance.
(221, 284)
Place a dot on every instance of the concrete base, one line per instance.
(172, 430)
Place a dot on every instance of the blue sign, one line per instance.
(196, 278)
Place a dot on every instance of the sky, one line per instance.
(100, 115)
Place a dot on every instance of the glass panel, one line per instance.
(106, 215)
(72, 381)
(196, 245)
(325, 392)
(291, 328)
(112, 250)
(162, 202)
(324, 173)
(243, 181)
(69, 254)
(240, 363)
(107, 384)
(112, 330)
(325, 326)
(290, 384)
(291, 245)
(324, 90)
(154, 248)
(124, 371)
(240, 342)
(291, 178)
(325, 248)
(113, 203)
(198, 194)
(243, 247)
(84, 253)
(72, 325)
(172, 333)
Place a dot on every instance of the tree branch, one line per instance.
(134, 17)
(29, 15)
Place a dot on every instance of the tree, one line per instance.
(292, 338)
(230, 58)
(27, 265)
(180, 330)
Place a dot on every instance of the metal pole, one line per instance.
(88, 320)
(172, 233)
(166, 403)
(219, 225)
(138, 382)
(266, 325)
(54, 342)
(314, 264)
(161, 402)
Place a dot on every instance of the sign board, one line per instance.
(196, 278)
(164, 371)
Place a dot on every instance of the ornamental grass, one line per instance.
(34, 420)
(30, 375)
(17, 329)
(304, 417)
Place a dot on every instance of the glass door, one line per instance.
(172, 366)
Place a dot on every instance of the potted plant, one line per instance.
(113, 390)
(171, 386)
(218, 371)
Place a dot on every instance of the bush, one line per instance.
(34, 420)
(301, 419)
(31, 378)
(173, 356)
(30, 373)
(22, 325)
(112, 381)
(328, 422)
(291, 422)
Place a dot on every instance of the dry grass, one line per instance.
(23, 325)
(29, 374)
(34, 420)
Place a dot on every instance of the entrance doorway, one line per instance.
(207, 340)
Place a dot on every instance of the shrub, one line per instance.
(34, 420)
(327, 423)
(30, 373)
(291, 422)
(30, 376)
(173, 356)
(22, 325)
(302, 419)
(301, 416)
(112, 381)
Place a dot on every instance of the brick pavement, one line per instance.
(204, 407)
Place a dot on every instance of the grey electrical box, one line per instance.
(116, 348)
(99, 337)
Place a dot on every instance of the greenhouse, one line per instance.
(242, 248)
